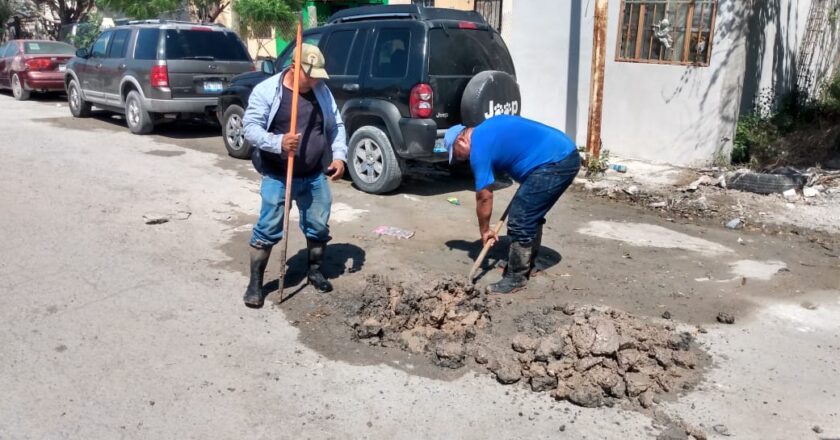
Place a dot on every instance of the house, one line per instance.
(678, 73)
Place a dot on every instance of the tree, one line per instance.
(201, 10)
(260, 16)
(54, 13)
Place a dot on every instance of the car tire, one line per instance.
(764, 183)
(233, 133)
(373, 165)
(488, 94)
(18, 91)
(138, 119)
(78, 106)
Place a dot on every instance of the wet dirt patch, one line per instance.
(165, 153)
(588, 356)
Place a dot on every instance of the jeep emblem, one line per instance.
(508, 108)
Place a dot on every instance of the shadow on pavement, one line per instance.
(339, 259)
(497, 256)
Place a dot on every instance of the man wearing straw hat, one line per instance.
(319, 149)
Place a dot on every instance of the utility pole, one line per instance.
(596, 91)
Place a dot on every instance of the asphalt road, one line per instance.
(112, 328)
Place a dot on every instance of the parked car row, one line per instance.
(401, 76)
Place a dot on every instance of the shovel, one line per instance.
(487, 245)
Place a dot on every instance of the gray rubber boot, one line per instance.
(259, 260)
(316, 257)
(516, 274)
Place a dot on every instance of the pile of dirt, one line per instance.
(589, 356)
(600, 357)
(440, 320)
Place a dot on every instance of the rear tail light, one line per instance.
(38, 64)
(421, 101)
(467, 25)
(159, 76)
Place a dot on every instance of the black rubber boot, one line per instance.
(535, 250)
(316, 257)
(259, 260)
(516, 273)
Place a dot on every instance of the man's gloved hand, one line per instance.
(336, 170)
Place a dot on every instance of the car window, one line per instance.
(147, 44)
(3, 49)
(47, 48)
(119, 43)
(11, 50)
(100, 46)
(354, 63)
(465, 52)
(187, 44)
(390, 56)
(285, 58)
(337, 51)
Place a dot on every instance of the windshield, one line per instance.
(465, 52)
(185, 44)
(47, 48)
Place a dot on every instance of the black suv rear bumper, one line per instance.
(422, 140)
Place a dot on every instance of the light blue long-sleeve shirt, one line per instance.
(263, 105)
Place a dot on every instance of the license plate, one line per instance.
(440, 147)
(213, 86)
(62, 67)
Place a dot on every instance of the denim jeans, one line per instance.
(313, 198)
(537, 194)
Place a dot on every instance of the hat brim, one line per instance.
(316, 72)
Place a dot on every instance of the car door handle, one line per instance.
(351, 87)
(122, 66)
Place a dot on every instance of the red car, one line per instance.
(33, 65)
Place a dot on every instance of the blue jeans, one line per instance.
(313, 198)
(537, 194)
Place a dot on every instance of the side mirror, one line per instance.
(267, 67)
(82, 53)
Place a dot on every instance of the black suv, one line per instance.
(153, 69)
(401, 75)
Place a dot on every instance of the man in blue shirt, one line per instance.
(320, 149)
(542, 159)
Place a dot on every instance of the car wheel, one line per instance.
(18, 91)
(233, 133)
(373, 165)
(488, 94)
(138, 119)
(78, 106)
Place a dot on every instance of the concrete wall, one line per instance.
(662, 113)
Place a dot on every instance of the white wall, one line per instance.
(662, 113)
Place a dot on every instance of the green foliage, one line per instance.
(597, 166)
(206, 10)
(257, 16)
(6, 11)
(760, 137)
(87, 31)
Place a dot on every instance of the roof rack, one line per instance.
(403, 12)
(167, 21)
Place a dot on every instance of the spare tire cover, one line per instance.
(488, 94)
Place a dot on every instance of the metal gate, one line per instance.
(491, 10)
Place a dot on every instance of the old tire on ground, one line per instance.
(78, 106)
(488, 94)
(138, 119)
(764, 183)
(373, 165)
(233, 133)
(18, 91)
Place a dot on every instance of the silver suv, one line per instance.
(154, 69)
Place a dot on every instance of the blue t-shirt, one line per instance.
(516, 146)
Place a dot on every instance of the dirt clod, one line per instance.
(725, 318)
